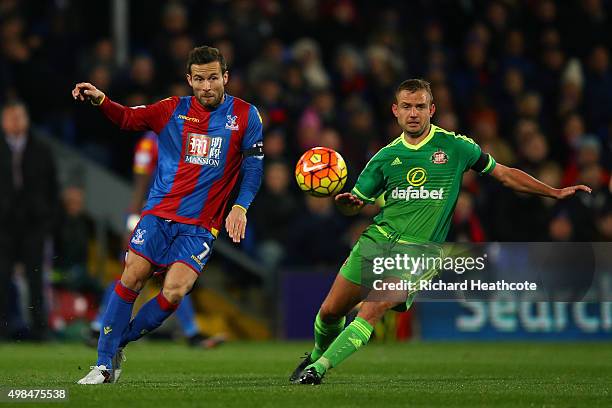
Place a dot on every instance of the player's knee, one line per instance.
(372, 312)
(132, 279)
(329, 314)
(136, 272)
(176, 291)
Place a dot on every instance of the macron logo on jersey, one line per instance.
(421, 193)
(187, 118)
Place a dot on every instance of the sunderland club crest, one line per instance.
(439, 157)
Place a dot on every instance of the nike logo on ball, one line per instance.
(316, 167)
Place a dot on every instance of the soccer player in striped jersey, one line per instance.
(206, 141)
(420, 175)
(143, 170)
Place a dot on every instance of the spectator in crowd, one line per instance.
(28, 210)
(485, 131)
(268, 96)
(270, 63)
(307, 53)
(349, 78)
(473, 73)
(598, 90)
(73, 236)
(315, 234)
(588, 152)
(548, 77)
(273, 212)
(275, 144)
(449, 121)
(515, 55)
(571, 94)
(102, 54)
(533, 153)
(296, 91)
(174, 68)
(466, 226)
(604, 224)
(141, 84)
(512, 87)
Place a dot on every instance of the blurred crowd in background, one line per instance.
(530, 81)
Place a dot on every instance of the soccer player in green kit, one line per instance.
(420, 175)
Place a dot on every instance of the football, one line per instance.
(321, 172)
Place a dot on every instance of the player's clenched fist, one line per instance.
(85, 91)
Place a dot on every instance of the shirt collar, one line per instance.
(16, 144)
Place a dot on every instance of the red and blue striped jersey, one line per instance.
(200, 155)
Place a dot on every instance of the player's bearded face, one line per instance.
(413, 111)
(208, 83)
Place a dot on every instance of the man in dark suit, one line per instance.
(28, 208)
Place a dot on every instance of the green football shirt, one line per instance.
(420, 183)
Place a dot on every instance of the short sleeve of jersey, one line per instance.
(471, 153)
(253, 136)
(370, 183)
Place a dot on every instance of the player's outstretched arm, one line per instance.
(522, 182)
(150, 117)
(349, 204)
(85, 91)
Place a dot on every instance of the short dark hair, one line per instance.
(413, 85)
(205, 55)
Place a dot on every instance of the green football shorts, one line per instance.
(380, 257)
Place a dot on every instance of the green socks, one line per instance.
(349, 341)
(324, 334)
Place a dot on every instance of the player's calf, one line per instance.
(176, 292)
(150, 316)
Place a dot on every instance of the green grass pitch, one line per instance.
(254, 375)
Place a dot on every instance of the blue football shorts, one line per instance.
(165, 242)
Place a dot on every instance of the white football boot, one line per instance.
(98, 375)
